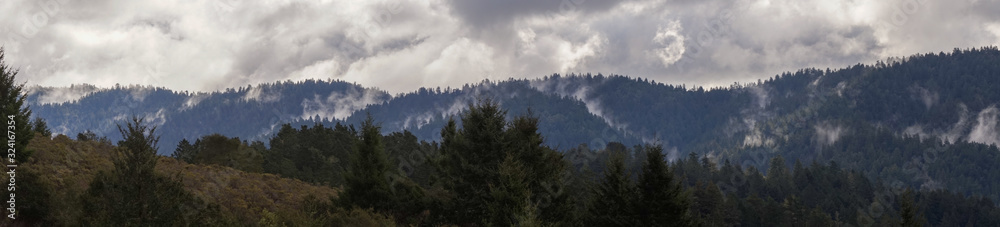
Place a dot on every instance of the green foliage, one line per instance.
(39, 126)
(661, 200)
(909, 212)
(316, 154)
(132, 194)
(15, 111)
(371, 183)
(220, 150)
(614, 199)
(471, 169)
(33, 198)
(510, 203)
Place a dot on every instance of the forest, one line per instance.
(867, 145)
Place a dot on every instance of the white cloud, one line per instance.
(339, 106)
(987, 130)
(672, 41)
(53, 95)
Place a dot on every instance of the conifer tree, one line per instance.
(132, 194)
(614, 199)
(372, 183)
(41, 127)
(14, 110)
(662, 201)
(909, 212)
(367, 186)
(470, 157)
(510, 198)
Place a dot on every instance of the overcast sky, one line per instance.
(398, 46)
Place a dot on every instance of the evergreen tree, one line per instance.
(366, 185)
(545, 169)
(371, 182)
(615, 198)
(470, 157)
(908, 211)
(14, 111)
(708, 205)
(662, 201)
(132, 194)
(39, 126)
(510, 198)
(184, 152)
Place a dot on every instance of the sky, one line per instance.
(399, 46)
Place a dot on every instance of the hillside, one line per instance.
(64, 168)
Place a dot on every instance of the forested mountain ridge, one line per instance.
(882, 119)
(917, 95)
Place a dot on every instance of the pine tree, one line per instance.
(908, 211)
(14, 110)
(371, 182)
(132, 194)
(366, 185)
(662, 202)
(708, 204)
(470, 157)
(39, 126)
(184, 152)
(510, 198)
(545, 169)
(614, 199)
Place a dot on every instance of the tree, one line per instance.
(366, 186)
(614, 199)
(510, 198)
(184, 152)
(39, 126)
(470, 158)
(371, 182)
(662, 202)
(909, 212)
(132, 194)
(86, 136)
(545, 169)
(14, 110)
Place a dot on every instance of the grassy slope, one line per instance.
(67, 166)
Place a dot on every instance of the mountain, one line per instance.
(928, 120)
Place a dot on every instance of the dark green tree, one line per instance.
(470, 158)
(510, 198)
(662, 200)
(184, 152)
(366, 185)
(909, 212)
(39, 126)
(373, 183)
(132, 194)
(14, 110)
(614, 200)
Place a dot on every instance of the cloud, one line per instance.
(340, 105)
(399, 46)
(827, 134)
(986, 130)
(260, 94)
(672, 41)
(193, 101)
(54, 95)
